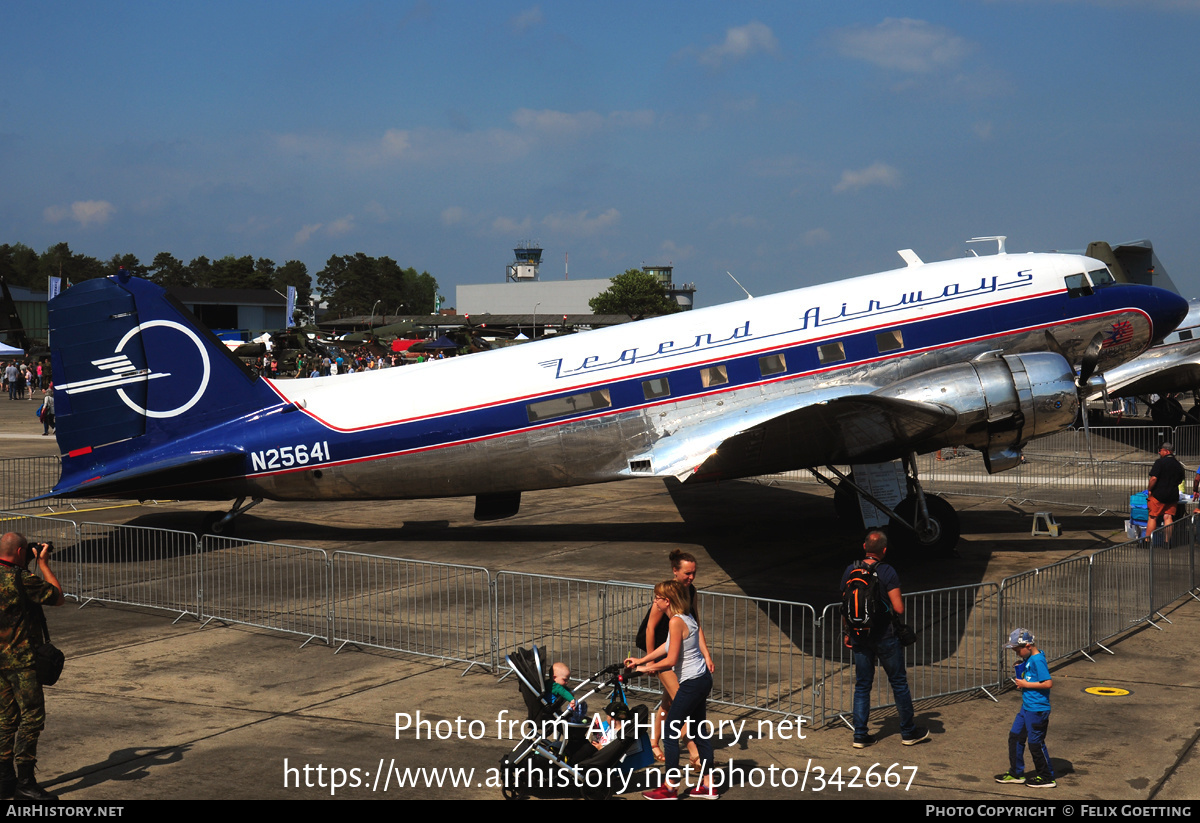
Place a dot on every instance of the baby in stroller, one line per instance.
(556, 752)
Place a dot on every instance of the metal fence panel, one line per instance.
(433, 609)
(63, 534)
(24, 477)
(758, 646)
(140, 566)
(1121, 590)
(565, 617)
(1172, 563)
(1053, 602)
(762, 652)
(272, 585)
(955, 652)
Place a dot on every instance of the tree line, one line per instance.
(350, 284)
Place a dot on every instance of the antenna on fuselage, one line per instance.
(749, 296)
(999, 242)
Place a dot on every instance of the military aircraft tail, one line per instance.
(134, 370)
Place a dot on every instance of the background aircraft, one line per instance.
(978, 352)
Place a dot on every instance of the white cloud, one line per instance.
(815, 237)
(452, 215)
(341, 227)
(906, 45)
(982, 129)
(506, 225)
(526, 20)
(675, 252)
(741, 42)
(305, 234)
(338, 228)
(531, 129)
(83, 212)
(876, 174)
(580, 223)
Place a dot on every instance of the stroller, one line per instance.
(557, 753)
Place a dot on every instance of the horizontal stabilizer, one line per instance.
(181, 470)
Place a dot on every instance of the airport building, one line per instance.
(235, 313)
(523, 292)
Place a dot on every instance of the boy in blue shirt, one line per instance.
(1033, 681)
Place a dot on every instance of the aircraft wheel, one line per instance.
(845, 505)
(940, 537)
(1167, 412)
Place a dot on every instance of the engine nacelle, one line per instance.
(1002, 402)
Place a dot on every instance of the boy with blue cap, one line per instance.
(1033, 681)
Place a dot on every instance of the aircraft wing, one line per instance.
(1178, 378)
(1161, 370)
(777, 437)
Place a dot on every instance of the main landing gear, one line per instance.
(221, 523)
(920, 522)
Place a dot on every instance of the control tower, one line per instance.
(524, 268)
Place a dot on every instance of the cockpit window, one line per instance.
(1101, 278)
(1078, 286)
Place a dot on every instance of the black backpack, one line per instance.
(862, 608)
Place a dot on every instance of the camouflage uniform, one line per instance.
(22, 704)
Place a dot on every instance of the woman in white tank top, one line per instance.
(687, 654)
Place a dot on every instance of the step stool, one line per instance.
(1044, 524)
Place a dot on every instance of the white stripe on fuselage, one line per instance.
(827, 312)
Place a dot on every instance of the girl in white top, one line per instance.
(685, 653)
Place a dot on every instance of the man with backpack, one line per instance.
(870, 598)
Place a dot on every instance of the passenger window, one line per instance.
(772, 364)
(1078, 286)
(889, 341)
(713, 376)
(831, 353)
(658, 387)
(572, 404)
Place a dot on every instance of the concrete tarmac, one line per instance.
(150, 709)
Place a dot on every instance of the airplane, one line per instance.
(979, 351)
(1168, 368)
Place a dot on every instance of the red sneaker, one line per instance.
(663, 792)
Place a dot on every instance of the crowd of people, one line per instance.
(23, 379)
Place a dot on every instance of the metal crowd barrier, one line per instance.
(156, 568)
(565, 617)
(270, 585)
(955, 651)
(24, 477)
(432, 609)
(760, 647)
(770, 655)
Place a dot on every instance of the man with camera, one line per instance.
(22, 703)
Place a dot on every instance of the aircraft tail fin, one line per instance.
(134, 370)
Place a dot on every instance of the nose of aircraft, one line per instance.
(1166, 310)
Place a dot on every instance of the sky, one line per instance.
(789, 143)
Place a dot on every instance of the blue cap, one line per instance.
(1019, 637)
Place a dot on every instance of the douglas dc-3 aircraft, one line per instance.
(1170, 367)
(977, 352)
